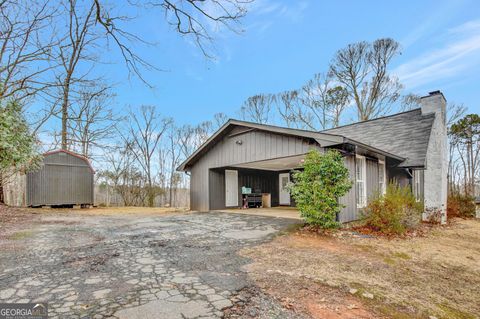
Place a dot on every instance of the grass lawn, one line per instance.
(345, 275)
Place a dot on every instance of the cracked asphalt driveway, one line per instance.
(129, 266)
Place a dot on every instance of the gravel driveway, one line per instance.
(173, 266)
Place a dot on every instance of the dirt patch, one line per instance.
(253, 302)
(18, 224)
(436, 274)
(14, 222)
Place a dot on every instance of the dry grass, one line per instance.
(435, 275)
(20, 235)
(15, 222)
(108, 211)
(129, 210)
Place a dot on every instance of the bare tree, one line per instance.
(219, 119)
(198, 19)
(93, 120)
(409, 101)
(186, 140)
(323, 103)
(174, 137)
(145, 131)
(258, 108)
(122, 173)
(25, 47)
(337, 98)
(162, 171)
(192, 18)
(314, 99)
(72, 51)
(288, 106)
(465, 136)
(363, 69)
(455, 111)
(202, 133)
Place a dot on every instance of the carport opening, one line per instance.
(254, 185)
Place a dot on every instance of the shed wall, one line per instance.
(63, 179)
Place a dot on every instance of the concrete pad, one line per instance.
(277, 212)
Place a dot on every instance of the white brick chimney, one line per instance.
(435, 174)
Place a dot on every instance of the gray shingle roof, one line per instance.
(405, 134)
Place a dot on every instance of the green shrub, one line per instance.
(459, 205)
(317, 188)
(395, 212)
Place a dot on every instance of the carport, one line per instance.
(253, 185)
(249, 165)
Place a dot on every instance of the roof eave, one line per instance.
(374, 149)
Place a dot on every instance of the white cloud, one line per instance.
(264, 12)
(461, 50)
(440, 12)
(472, 26)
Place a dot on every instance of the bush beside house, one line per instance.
(460, 205)
(317, 188)
(395, 212)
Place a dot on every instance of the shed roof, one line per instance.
(405, 134)
(86, 160)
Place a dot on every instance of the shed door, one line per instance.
(231, 188)
(284, 179)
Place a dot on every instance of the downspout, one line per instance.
(408, 170)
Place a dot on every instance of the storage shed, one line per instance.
(64, 178)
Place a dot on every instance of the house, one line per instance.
(64, 178)
(242, 157)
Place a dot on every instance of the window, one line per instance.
(361, 186)
(382, 176)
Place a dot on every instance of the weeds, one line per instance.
(459, 205)
(20, 235)
(395, 212)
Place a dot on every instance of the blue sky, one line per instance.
(285, 42)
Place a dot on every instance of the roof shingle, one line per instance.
(405, 134)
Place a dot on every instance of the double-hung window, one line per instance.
(382, 177)
(360, 177)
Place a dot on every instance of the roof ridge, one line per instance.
(371, 120)
(80, 156)
(272, 125)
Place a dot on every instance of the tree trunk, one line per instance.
(151, 195)
(170, 200)
(471, 168)
(66, 90)
(2, 199)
